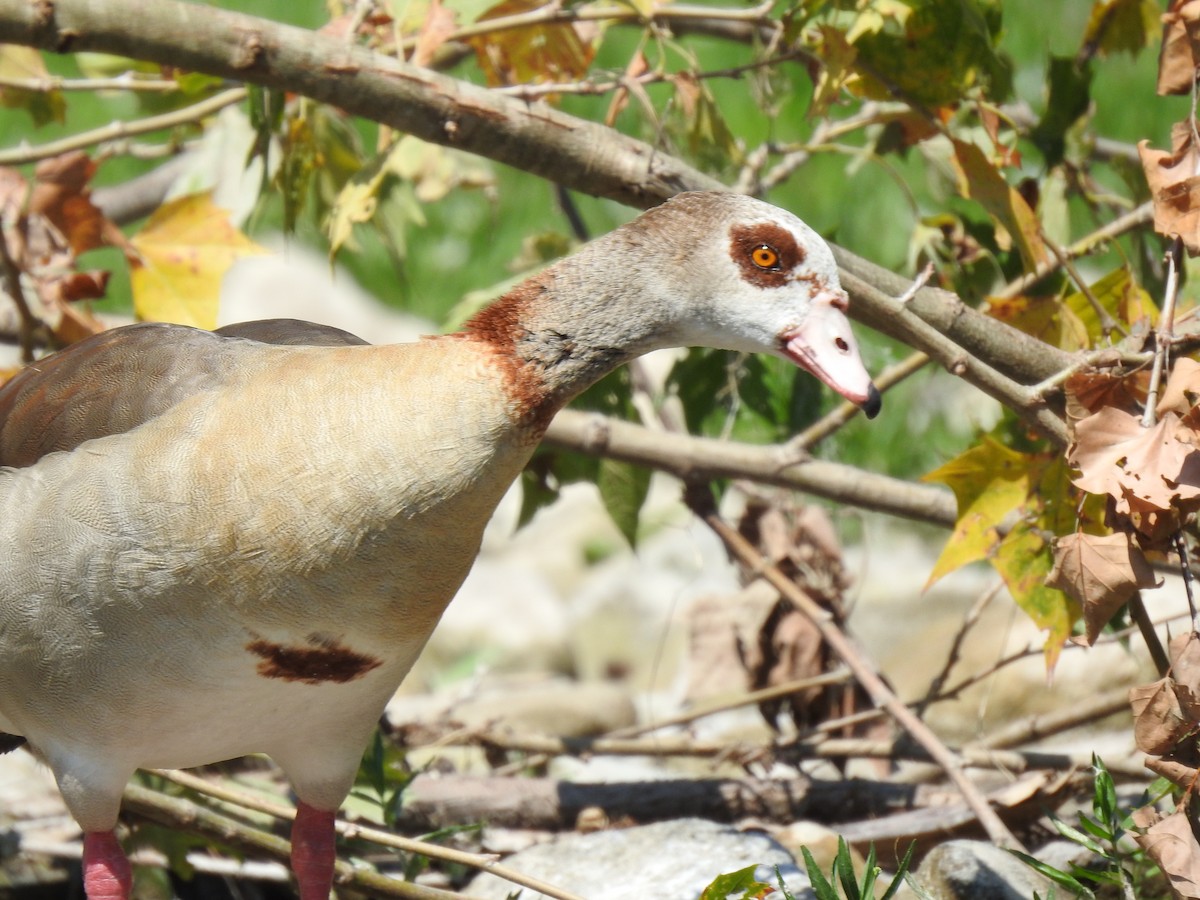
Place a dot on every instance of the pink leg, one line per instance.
(106, 872)
(313, 852)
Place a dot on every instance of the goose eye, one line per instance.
(765, 257)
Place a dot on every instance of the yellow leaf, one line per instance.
(1119, 296)
(24, 62)
(982, 182)
(182, 256)
(536, 53)
(989, 481)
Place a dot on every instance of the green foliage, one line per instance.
(842, 875)
(623, 486)
(1122, 866)
(742, 882)
(383, 776)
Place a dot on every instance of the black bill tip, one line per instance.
(873, 404)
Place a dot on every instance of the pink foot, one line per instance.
(106, 872)
(313, 852)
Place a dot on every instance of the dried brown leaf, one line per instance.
(60, 194)
(1090, 390)
(1101, 573)
(1181, 386)
(1184, 651)
(1164, 712)
(1178, 58)
(439, 24)
(1174, 187)
(1155, 526)
(1141, 467)
(1171, 843)
(535, 54)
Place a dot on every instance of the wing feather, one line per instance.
(119, 379)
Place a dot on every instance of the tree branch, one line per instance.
(582, 155)
(697, 458)
(579, 154)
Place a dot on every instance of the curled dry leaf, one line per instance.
(1184, 651)
(1101, 572)
(1174, 187)
(1167, 710)
(1090, 390)
(1164, 713)
(1182, 387)
(54, 220)
(1180, 53)
(60, 193)
(1170, 842)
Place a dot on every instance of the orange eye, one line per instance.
(765, 257)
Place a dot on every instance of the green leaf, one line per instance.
(1024, 560)
(934, 55)
(1069, 99)
(820, 884)
(623, 488)
(741, 881)
(1078, 837)
(547, 473)
(843, 866)
(1104, 795)
(1122, 25)
(982, 182)
(901, 871)
(43, 107)
(1056, 875)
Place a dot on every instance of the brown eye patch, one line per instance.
(766, 254)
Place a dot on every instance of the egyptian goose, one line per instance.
(216, 544)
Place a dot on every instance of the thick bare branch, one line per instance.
(534, 137)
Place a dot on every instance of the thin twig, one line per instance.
(1166, 328)
(127, 82)
(1087, 244)
(952, 656)
(1185, 570)
(481, 861)
(702, 503)
(595, 88)
(1107, 323)
(176, 812)
(123, 130)
(555, 14)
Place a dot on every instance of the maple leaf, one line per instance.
(61, 194)
(981, 181)
(1022, 561)
(1117, 456)
(539, 53)
(1090, 390)
(989, 482)
(1167, 710)
(181, 257)
(1101, 572)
